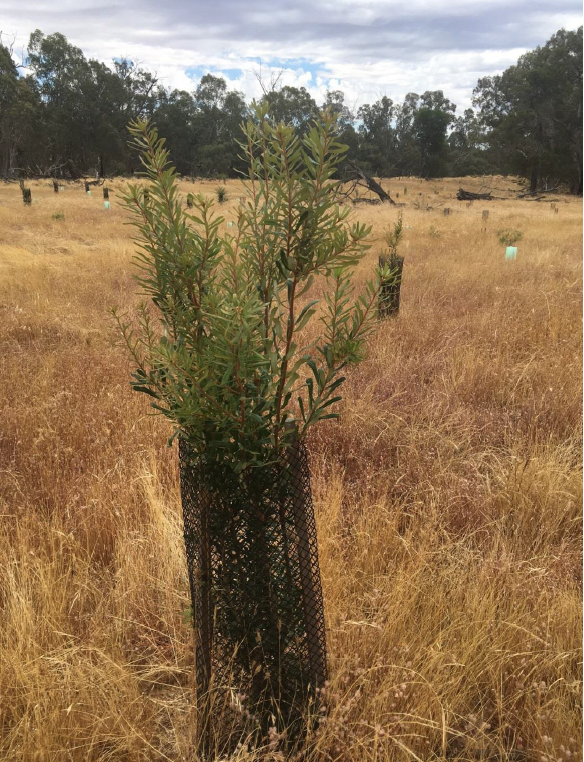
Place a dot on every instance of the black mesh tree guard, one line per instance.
(255, 585)
(390, 287)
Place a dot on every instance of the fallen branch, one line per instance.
(362, 179)
(464, 195)
(372, 201)
(539, 193)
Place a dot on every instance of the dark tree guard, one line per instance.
(255, 584)
(390, 287)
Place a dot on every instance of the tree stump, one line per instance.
(55, 186)
(27, 196)
(446, 211)
(106, 193)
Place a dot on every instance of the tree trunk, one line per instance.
(534, 177)
(372, 184)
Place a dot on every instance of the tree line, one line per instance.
(67, 117)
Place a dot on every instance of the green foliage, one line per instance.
(390, 269)
(394, 235)
(533, 113)
(509, 236)
(221, 194)
(430, 128)
(379, 142)
(223, 353)
(58, 216)
(69, 114)
(292, 105)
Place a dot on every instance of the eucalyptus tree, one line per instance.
(408, 151)
(61, 75)
(176, 118)
(430, 126)
(533, 113)
(467, 146)
(292, 105)
(219, 114)
(377, 136)
(19, 105)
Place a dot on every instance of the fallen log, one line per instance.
(98, 182)
(464, 195)
(372, 201)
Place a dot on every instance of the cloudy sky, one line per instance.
(368, 48)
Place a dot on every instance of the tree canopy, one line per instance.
(532, 114)
(67, 117)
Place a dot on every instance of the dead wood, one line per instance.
(464, 195)
(372, 201)
(361, 178)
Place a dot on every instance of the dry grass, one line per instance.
(448, 499)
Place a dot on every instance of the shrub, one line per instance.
(390, 271)
(226, 362)
(393, 236)
(509, 236)
(222, 356)
(221, 194)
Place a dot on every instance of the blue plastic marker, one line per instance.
(510, 253)
(106, 204)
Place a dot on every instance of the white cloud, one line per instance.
(367, 48)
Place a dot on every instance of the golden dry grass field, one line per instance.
(448, 497)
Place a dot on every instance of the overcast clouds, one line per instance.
(367, 48)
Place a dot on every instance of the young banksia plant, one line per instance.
(220, 350)
(221, 354)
